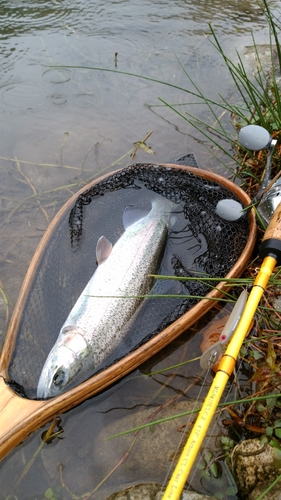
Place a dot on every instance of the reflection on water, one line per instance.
(60, 128)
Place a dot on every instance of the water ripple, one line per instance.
(58, 99)
(19, 17)
(57, 75)
(22, 97)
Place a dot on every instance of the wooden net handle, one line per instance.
(274, 228)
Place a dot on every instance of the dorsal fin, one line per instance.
(132, 214)
(103, 249)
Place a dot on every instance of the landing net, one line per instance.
(199, 243)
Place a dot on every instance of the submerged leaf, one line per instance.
(143, 146)
(48, 493)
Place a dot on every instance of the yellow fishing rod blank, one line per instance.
(270, 251)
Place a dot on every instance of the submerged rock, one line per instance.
(259, 57)
(259, 60)
(153, 449)
(152, 453)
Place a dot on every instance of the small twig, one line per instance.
(33, 189)
(142, 144)
(53, 165)
(6, 300)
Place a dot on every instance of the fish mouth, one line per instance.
(44, 384)
(45, 387)
(42, 391)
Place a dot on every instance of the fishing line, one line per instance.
(202, 375)
(212, 428)
(214, 423)
(210, 357)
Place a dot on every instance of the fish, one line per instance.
(106, 308)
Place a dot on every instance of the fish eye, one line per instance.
(59, 377)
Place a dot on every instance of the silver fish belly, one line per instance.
(103, 313)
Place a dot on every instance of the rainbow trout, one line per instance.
(99, 319)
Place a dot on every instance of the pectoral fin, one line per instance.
(103, 249)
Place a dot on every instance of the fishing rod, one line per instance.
(254, 138)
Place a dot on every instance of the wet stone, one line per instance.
(273, 494)
(255, 466)
(152, 491)
(138, 492)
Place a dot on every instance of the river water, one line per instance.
(61, 127)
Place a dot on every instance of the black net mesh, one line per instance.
(187, 159)
(199, 241)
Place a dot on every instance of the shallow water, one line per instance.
(63, 126)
